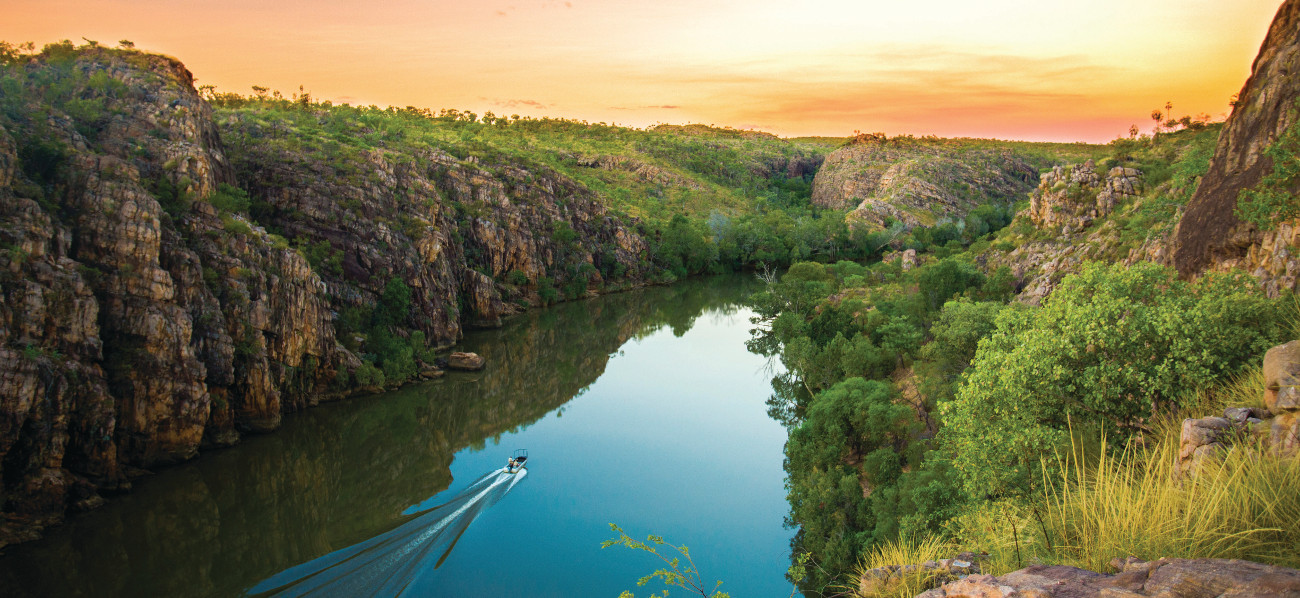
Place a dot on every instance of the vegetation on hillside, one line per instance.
(930, 414)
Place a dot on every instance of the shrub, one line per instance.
(1273, 199)
(235, 226)
(1110, 348)
(229, 198)
(516, 278)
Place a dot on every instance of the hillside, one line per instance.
(919, 181)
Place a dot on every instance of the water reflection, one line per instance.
(339, 474)
(394, 563)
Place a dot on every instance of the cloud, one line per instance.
(514, 103)
(659, 107)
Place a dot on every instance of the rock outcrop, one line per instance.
(1069, 198)
(918, 181)
(1275, 427)
(1210, 236)
(1185, 578)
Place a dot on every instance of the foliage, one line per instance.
(1273, 199)
(942, 281)
(957, 331)
(231, 199)
(678, 574)
(848, 441)
(1111, 347)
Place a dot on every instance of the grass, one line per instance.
(903, 551)
(1108, 504)
(1245, 506)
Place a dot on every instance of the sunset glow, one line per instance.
(1012, 69)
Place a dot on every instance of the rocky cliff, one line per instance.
(918, 181)
(1210, 235)
(147, 310)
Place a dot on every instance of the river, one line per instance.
(640, 408)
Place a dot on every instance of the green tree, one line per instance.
(942, 281)
(830, 456)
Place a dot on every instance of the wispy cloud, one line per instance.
(658, 107)
(515, 103)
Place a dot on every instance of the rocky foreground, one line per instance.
(1166, 578)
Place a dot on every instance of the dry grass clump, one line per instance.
(906, 583)
(1244, 506)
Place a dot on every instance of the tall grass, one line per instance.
(904, 584)
(1244, 506)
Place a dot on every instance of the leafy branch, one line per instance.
(679, 574)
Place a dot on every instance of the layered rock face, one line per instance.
(1068, 199)
(1210, 236)
(917, 182)
(140, 321)
(448, 228)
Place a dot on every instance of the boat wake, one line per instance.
(393, 562)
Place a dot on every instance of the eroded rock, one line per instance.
(1069, 198)
(1282, 378)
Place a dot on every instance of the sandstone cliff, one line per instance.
(1210, 236)
(144, 314)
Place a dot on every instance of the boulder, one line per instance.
(1282, 378)
(909, 259)
(1202, 438)
(1284, 435)
(465, 361)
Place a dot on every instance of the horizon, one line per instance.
(1007, 69)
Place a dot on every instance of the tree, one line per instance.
(843, 443)
(940, 282)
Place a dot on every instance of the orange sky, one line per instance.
(1013, 69)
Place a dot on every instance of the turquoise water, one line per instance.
(642, 409)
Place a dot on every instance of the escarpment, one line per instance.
(150, 307)
(1210, 236)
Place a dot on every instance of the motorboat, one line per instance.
(517, 461)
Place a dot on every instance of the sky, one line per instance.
(1041, 70)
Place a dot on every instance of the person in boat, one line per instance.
(510, 465)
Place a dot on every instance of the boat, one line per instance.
(517, 461)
